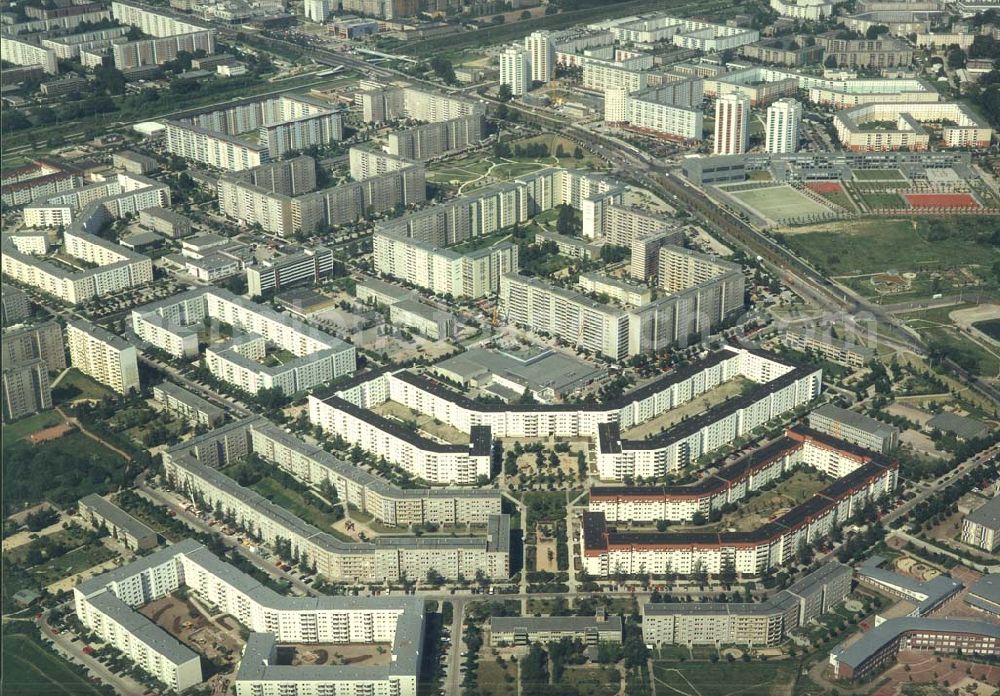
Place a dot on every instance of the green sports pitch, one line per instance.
(780, 203)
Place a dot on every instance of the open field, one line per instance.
(877, 245)
(937, 329)
(434, 428)
(883, 199)
(495, 680)
(590, 681)
(29, 669)
(32, 424)
(878, 175)
(79, 386)
(780, 203)
(725, 679)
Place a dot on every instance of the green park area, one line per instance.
(76, 386)
(878, 175)
(942, 336)
(883, 199)
(61, 471)
(725, 678)
(24, 427)
(32, 670)
(876, 245)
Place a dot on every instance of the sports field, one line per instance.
(878, 175)
(940, 200)
(724, 678)
(780, 203)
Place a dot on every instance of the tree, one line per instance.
(830, 62)
(956, 58)
(443, 68)
(577, 153)
(504, 94)
(526, 14)
(876, 31)
(566, 223)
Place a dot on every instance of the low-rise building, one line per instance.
(528, 630)
(829, 348)
(424, 319)
(855, 428)
(188, 405)
(984, 595)
(280, 272)
(981, 527)
(166, 222)
(134, 162)
(132, 533)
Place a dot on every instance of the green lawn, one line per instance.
(297, 503)
(878, 245)
(593, 682)
(77, 560)
(495, 680)
(29, 669)
(884, 200)
(76, 385)
(991, 328)
(30, 425)
(878, 175)
(780, 202)
(724, 678)
(838, 198)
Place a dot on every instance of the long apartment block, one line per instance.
(753, 624)
(702, 292)
(129, 55)
(36, 181)
(283, 124)
(433, 139)
(190, 469)
(172, 326)
(107, 605)
(606, 551)
(421, 457)
(781, 388)
(281, 196)
(380, 103)
(732, 483)
(371, 494)
(672, 110)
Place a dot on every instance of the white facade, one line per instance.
(732, 124)
(102, 355)
(783, 120)
(515, 70)
(542, 52)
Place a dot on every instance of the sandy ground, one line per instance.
(697, 405)
(25, 537)
(427, 424)
(918, 416)
(543, 547)
(69, 583)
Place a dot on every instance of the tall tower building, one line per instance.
(543, 55)
(783, 119)
(515, 70)
(318, 10)
(732, 116)
(107, 358)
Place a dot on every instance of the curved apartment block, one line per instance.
(861, 478)
(190, 469)
(860, 129)
(107, 606)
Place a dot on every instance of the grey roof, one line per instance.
(963, 426)
(143, 629)
(577, 624)
(985, 594)
(166, 214)
(815, 580)
(383, 288)
(987, 515)
(933, 591)
(142, 238)
(853, 420)
(190, 399)
(100, 334)
(876, 638)
(116, 516)
(206, 240)
(537, 371)
(412, 306)
(157, 558)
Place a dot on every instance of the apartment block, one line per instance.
(306, 266)
(36, 181)
(107, 358)
(528, 630)
(43, 341)
(15, 305)
(883, 52)
(960, 126)
(188, 405)
(981, 527)
(26, 388)
(433, 139)
(747, 623)
(171, 325)
(854, 428)
(515, 70)
(129, 531)
(672, 110)
(830, 348)
(128, 55)
(19, 52)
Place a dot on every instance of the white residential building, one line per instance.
(783, 120)
(107, 358)
(542, 50)
(732, 124)
(515, 70)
